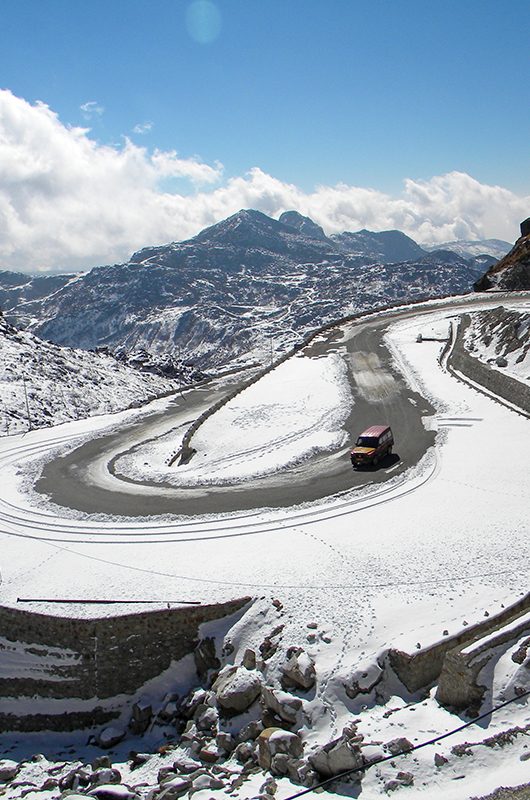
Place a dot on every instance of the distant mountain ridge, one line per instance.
(235, 289)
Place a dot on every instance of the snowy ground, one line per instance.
(387, 566)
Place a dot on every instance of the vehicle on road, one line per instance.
(372, 445)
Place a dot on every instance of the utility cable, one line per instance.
(411, 749)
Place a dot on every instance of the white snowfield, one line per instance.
(394, 564)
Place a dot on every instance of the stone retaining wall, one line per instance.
(61, 658)
(463, 682)
(504, 386)
(421, 669)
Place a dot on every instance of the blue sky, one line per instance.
(313, 93)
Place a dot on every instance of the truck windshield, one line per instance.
(367, 441)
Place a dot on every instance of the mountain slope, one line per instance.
(44, 384)
(511, 273)
(241, 288)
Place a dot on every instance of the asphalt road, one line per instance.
(380, 396)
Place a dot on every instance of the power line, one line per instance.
(411, 749)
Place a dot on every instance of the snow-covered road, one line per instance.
(390, 564)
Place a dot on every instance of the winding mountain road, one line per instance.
(380, 395)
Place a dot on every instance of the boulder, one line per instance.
(8, 769)
(363, 681)
(105, 775)
(237, 688)
(245, 753)
(251, 731)
(276, 741)
(110, 736)
(112, 791)
(397, 746)
(142, 713)
(281, 704)
(299, 670)
(173, 788)
(186, 765)
(337, 756)
(207, 781)
(249, 659)
(192, 701)
(226, 741)
(206, 718)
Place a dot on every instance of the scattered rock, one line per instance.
(269, 786)
(110, 736)
(406, 778)
(299, 670)
(251, 731)
(391, 786)
(192, 700)
(76, 778)
(397, 746)
(207, 781)
(439, 760)
(173, 788)
(102, 762)
(245, 752)
(110, 791)
(283, 705)
(249, 659)
(142, 713)
(105, 775)
(237, 688)
(337, 756)
(210, 753)
(186, 765)
(206, 718)
(8, 770)
(275, 741)
(226, 741)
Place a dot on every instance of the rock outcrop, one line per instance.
(511, 273)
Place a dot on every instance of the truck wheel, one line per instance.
(389, 451)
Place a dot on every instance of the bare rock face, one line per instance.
(237, 688)
(511, 273)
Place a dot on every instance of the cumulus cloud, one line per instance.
(67, 202)
(91, 109)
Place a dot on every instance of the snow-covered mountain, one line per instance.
(44, 384)
(237, 289)
(469, 248)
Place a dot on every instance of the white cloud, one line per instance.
(143, 127)
(67, 202)
(91, 109)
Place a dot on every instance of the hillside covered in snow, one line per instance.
(43, 384)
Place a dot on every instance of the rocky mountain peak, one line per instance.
(305, 225)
